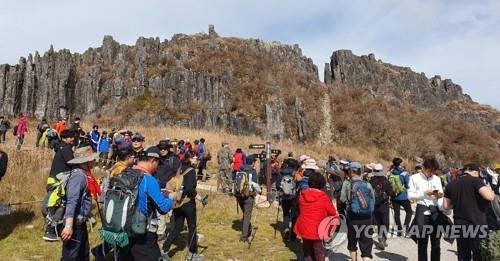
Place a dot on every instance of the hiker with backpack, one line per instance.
(245, 190)
(94, 137)
(399, 180)
(237, 161)
(60, 164)
(21, 130)
(315, 205)
(287, 199)
(224, 159)
(4, 160)
(185, 209)
(80, 188)
(4, 126)
(169, 164)
(41, 128)
(383, 193)
(360, 199)
(137, 239)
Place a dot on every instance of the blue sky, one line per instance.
(456, 39)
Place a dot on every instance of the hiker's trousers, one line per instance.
(246, 205)
(396, 204)
(141, 248)
(290, 214)
(381, 216)
(469, 249)
(361, 236)
(186, 212)
(313, 250)
(77, 248)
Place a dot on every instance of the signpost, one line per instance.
(268, 152)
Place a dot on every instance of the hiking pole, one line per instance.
(277, 216)
(195, 233)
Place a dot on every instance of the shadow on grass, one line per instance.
(237, 225)
(181, 243)
(16, 218)
(294, 245)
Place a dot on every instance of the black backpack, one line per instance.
(382, 189)
(122, 217)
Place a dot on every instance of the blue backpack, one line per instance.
(361, 203)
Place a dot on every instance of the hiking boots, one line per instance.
(50, 234)
(243, 239)
(195, 257)
(286, 234)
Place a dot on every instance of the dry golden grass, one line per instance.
(21, 232)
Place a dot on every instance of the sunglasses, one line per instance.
(164, 148)
(137, 140)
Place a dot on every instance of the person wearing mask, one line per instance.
(469, 198)
(357, 190)
(169, 164)
(150, 201)
(399, 180)
(4, 160)
(425, 188)
(314, 205)
(80, 189)
(246, 202)
(187, 212)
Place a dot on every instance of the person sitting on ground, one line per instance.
(315, 205)
(80, 189)
(185, 212)
(4, 160)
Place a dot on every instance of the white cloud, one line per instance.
(456, 39)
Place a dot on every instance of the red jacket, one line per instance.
(314, 206)
(238, 161)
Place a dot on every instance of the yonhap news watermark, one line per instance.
(448, 231)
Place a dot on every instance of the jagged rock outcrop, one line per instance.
(202, 81)
(383, 79)
(245, 86)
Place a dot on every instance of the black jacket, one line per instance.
(167, 169)
(189, 181)
(61, 158)
(4, 159)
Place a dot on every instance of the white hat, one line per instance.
(310, 164)
(303, 157)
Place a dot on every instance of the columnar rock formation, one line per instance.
(246, 86)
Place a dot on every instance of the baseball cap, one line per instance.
(152, 152)
(471, 167)
(138, 137)
(354, 166)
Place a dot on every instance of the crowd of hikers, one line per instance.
(144, 195)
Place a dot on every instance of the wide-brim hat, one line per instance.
(84, 155)
(310, 164)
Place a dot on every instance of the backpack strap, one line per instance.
(185, 171)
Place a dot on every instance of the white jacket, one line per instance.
(419, 184)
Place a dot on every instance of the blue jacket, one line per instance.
(201, 150)
(150, 197)
(248, 169)
(405, 180)
(94, 136)
(104, 145)
(78, 200)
